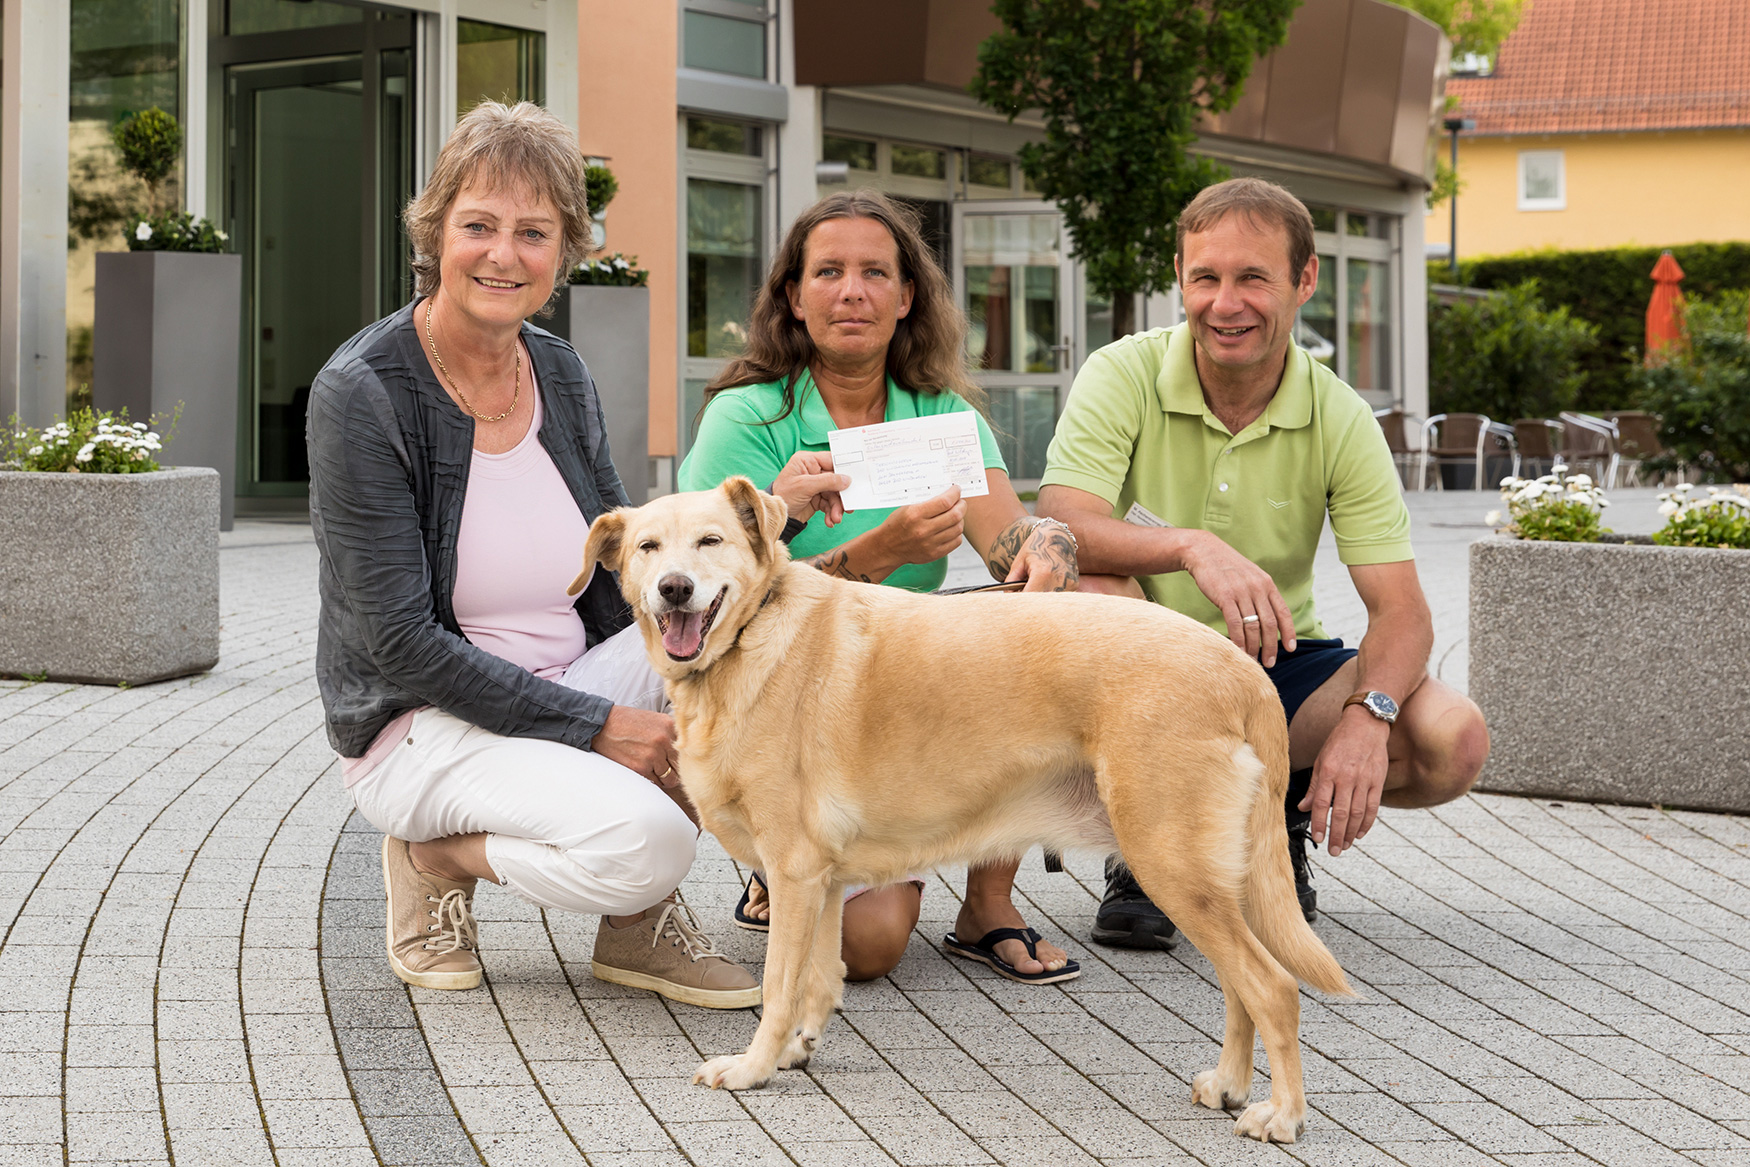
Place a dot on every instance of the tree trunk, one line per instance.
(1123, 314)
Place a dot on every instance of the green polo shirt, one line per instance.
(732, 439)
(1137, 430)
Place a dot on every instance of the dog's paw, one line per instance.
(1208, 1090)
(732, 1072)
(1267, 1123)
(797, 1054)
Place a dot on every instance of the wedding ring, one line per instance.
(1248, 619)
(666, 772)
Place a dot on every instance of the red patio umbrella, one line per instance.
(1665, 309)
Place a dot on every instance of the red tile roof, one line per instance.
(1579, 66)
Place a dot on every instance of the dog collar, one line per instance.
(736, 643)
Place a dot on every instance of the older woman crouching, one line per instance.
(487, 725)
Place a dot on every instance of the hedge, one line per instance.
(1608, 288)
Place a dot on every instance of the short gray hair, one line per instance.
(520, 146)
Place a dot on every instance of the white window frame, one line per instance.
(1560, 201)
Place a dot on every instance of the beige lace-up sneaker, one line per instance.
(432, 938)
(667, 953)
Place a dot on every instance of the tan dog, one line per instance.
(832, 732)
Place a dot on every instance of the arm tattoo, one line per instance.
(838, 563)
(1053, 547)
(1006, 546)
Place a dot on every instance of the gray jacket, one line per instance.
(389, 461)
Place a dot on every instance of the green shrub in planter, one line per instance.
(1722, 519)
(614, 271)
(88, 442)
(1557, 508)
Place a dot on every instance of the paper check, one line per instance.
(896, 463)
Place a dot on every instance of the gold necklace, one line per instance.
(515, 394)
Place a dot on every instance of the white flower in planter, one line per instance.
(35, 450)
(143, 232)
(85, 452)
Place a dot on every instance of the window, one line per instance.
(1542, 181)
(853, 152)
(496, 63)
(723, 44)
(723, 265)
(724, 137)
(988, 170)
(919, 161)
(1350, 323)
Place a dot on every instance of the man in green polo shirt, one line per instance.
(1225, 445)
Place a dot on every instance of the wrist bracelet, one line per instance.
(1074, 547)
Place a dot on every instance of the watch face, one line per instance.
(1382, 706)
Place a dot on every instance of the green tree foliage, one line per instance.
(150, 142)
(1610, 289)
(1121, 84)
(600, 187)
(1473, 26)
(1704, 393)
(1505, 356)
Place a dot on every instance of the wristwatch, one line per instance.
(1379, 704)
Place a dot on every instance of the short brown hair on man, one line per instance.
(1262, 203)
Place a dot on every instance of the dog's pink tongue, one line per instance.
(685, 630)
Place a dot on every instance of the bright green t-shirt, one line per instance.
(733, 440)
(1136, 429)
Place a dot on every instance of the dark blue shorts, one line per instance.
(1297, 674)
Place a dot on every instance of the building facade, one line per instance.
(777, 102)
(1606, 123)
(310, 122)
(307, 126)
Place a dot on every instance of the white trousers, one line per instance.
(565, 828)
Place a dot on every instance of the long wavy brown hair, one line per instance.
(928, 351)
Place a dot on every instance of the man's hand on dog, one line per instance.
(1347, 780)
(643, 741)
(1240, 588)
(924, 531)
(808, 483)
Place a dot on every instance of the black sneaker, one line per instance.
(1299, 835)
(1127, 918)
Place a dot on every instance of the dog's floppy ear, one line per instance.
(607, 536)
(762, 514)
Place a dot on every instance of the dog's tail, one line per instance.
(1272, 910)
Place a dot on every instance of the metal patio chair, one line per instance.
(1454, 439)
(1637, 439)
(1540, 442)
(1589, 444)
(1392, 423)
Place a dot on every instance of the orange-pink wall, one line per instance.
(626, 56)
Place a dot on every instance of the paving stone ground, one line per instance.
(191, 970)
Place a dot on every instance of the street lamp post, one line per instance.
(1455, 126)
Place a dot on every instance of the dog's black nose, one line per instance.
(676, 589)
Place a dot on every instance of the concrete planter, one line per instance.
(167, 330)
(1613, 673)
(109, 578)
(610, 329)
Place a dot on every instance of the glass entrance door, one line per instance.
(1013, 274)
(319, 164)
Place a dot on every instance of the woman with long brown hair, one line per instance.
(855, 324)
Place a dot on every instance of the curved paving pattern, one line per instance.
(191, 971)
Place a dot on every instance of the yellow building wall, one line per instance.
(626, 113)
(1653, 189)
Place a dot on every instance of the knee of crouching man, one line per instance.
(1466, 752)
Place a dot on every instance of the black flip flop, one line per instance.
(753, 923)
(985, 952)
